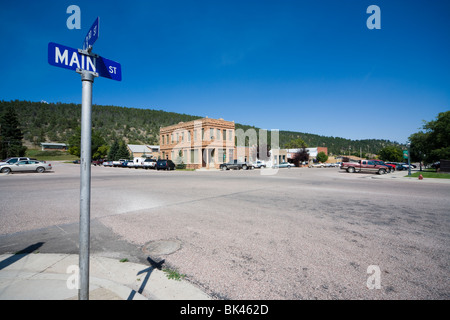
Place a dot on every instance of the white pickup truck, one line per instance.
(150, 163)
(119, 163)
(138, 162)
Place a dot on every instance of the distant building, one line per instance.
(311, 151)
(148, 151)
(202, 143)
(49, 146)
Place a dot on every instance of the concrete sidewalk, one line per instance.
(37, 276)
(403, 176)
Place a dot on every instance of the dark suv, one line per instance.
(165, 165)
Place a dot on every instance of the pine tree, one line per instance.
(10, 134)
(123, 152)
(113, 151)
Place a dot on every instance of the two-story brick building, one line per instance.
(202, 143)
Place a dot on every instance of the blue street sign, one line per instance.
(69, 58)
(92, 35)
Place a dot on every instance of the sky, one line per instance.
(297, 65)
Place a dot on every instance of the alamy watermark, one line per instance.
(73, 281)
(74, 20)
(374, 280)
(374, 21)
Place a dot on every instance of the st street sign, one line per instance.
(69, 58)
(92, 35)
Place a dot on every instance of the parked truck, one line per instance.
(365, 166)
(236, 165)
(119, 163)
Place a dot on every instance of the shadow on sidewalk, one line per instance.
(148, 271)
(19, 255)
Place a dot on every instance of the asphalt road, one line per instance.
(299, 234)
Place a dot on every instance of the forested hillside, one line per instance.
(57, 122)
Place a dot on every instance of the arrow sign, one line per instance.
(70, 58)
(92, 35)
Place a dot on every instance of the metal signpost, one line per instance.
(409, 158)
(89, 66)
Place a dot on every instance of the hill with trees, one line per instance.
(60, 122)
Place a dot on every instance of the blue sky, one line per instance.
(307, 66)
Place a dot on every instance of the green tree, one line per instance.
(432, 144)
(438, 138)
(418, 146)
(296, 144)
(101, 152)
(113, 151)
(123, 152)
(10, 134)
(391, 153)
(322, 157)
(300, 156)
(97, 142)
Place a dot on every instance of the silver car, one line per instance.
(26, 165)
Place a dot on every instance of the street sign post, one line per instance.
(89, 65)
(92, 35)
(87, 79)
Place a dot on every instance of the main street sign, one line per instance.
(74, 59)
(92, 35)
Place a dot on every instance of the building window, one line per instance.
(211, 133)
(189, 136)
(224, 138)
(194, 156)
(218, 134)
(222, 157)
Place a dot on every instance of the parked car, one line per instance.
(13, 160)
(119, 163)
(127, 164)
(397, 166)
(390, 167)
(436, 165)
(236, 165)
(259, 164)
(138, 162)
(97, 162)
(283, 165)
(317, 165)
(107, 163)
(26, 165)
(165, 165)
(405, 166)
(365, 166)
(150, 163)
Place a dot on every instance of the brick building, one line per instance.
(202, 143)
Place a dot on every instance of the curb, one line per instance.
(39, 276)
